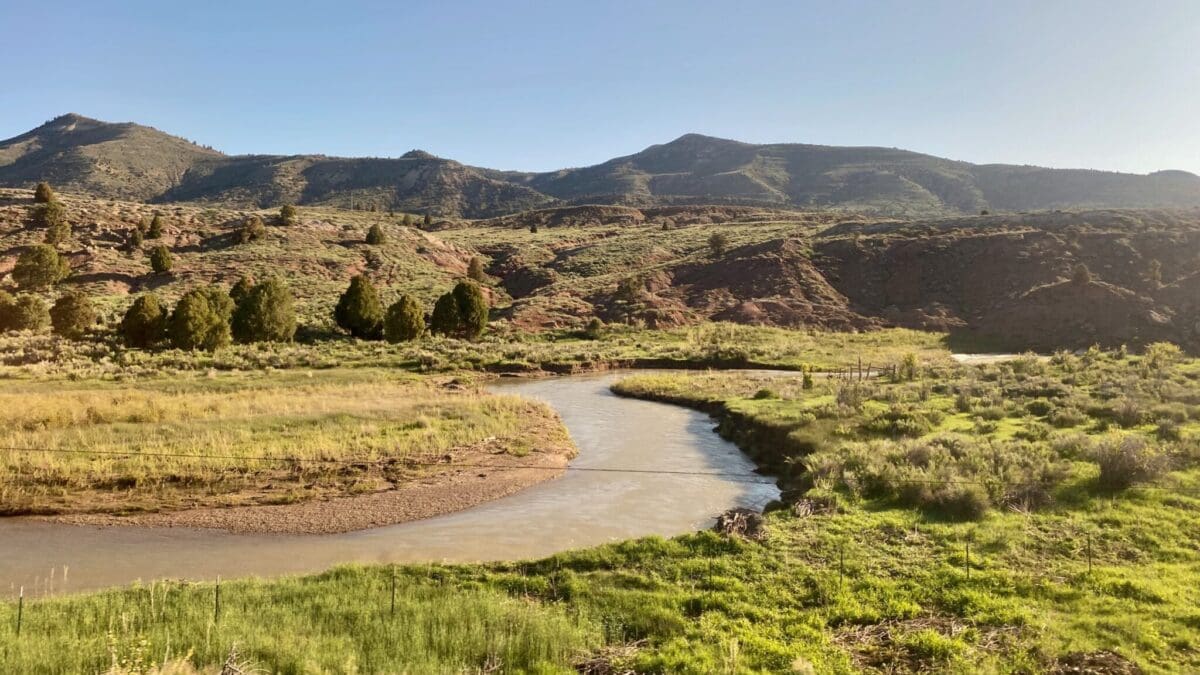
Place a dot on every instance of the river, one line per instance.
(582, 508)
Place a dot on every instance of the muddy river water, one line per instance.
(582, 508)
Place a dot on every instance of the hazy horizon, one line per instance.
(523, 86)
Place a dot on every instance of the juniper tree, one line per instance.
(472, 308)
(195, 324)
(40, 266)
(29, 312)
(359, 310)
(72, 315)
(376, 236)
(405, 320)
(475, 269)
(445, 319)
(252, 229)
(265, 314)
(155, 229)
(160, 259)
(287, 214)
(43, 193)
(144, 322)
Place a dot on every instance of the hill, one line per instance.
(129, 161)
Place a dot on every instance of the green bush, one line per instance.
(376, 236)
(252, 230)
(52, 217)
(160, 259)
(288, 214)
(195, 324)
(594, 328)
(135, 239)
(265, 314)
(899, 421)
(29, 312)
(718, 243)
(405, 320)
(472, 308)
(72, 315)
(40, 266)
(1040, 407)
(1067, 417)
(155, 229)
(475, 270)
(219, 300)
(1126, 459)
(359, 310)
(241, 289)
(43, 193)
(445, 319)
(145, 322)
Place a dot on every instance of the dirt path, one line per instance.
(445, 491)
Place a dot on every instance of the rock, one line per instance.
(742, 522)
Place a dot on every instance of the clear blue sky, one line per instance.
(542, 85)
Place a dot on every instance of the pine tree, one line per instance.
(39, 267)
(161, 260)
(359, 310)
(197, 325)
(472, 308)
(155, 229)
(43, 193)
(265, 314)
(72, 315)
(405, 320)
(145, 322)
(444, 320)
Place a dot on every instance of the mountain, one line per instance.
(131, 161)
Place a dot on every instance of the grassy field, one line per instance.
(1028, 516)
(217, 439)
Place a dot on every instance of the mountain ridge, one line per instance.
(132, 161)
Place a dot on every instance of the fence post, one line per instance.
(393, 589)
(217, 601)
(20, 609)
(1089, 553)
(967, 560)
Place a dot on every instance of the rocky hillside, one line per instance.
(129, 161)
(1043, 281)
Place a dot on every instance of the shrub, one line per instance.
(1040, 407)
(29, 312)
(991, 413)
(901, 421)
(155, 229)
(444, 320)
(806, 382)
(1168, 430)
(288, 214)
(40, 266)
(1066, 417)
(475, 269)
(265, 314)
(252, 230)
(72, 315)
(718, 243)
(594, 328)
(376, 235)
(145, 322)
(427, 221)
(405, 320)
(472, 308)
(908, 367)
(161, 260)
(359, 310)
(1127, 413)
(43, 193)
(1126, 459)
(241, 289)
(764, 394)
(958, 502)
(135, 239)
(7, 307)
(219, 300)
(1081, 274)
(52, 217)
(195, 324)
(1159, 356)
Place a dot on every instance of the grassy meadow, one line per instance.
(225, 438)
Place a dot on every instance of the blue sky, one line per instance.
(543, 85)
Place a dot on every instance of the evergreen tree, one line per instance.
(376, 235)
(428, 221)
(52, 217)
(359, 310)
(40, 266)
(197, 325)
(43, 193)
(718, 243)
(444, 320)
(405, 320)
(265, 314)
(219, 300)
(161, 260)
(155, 229)
(1081, 274)
(145, 322)
(475, 269)
(253, 229)
(241, 289)
(29, 312)
(8, 306)
(288, 214)
(472, 308)
(135, 239)
(143, 225)
(72, 315)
